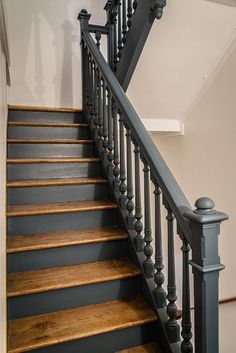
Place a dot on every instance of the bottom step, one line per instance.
(40, 331)
(147, 348)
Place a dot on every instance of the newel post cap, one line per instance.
(205, 212)
(205, 205)
(84, 15)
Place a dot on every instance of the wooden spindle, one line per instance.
(135, 4)
(186, 333)
(119, 29)
(148, 250)
(95, 101)
(130, 192)
(129, 13)
(110, 137)
(172, 326)
(98, 36)
(159, 292)
(123, 187)
(115, 45)
(139, 242)
(105, 124)
(116, 169)
(124, 21)
(100, 112)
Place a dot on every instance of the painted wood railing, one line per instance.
(129, 23)
(125, 145)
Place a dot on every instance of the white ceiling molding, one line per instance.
(164, 126)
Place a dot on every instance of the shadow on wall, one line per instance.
(45, 51)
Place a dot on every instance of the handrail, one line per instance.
(113, 120)
(159, 169)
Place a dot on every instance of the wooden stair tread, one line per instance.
(63, 238)
(59, 207)
(146, 348)
(49, 329)
(44, 109)
(23, 283)
(51, 141)
(44, 124)
(52, 160)
(55, 182)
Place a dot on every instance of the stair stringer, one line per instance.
(147, 284)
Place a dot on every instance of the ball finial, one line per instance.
(204, 205)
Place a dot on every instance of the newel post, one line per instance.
(84, 18)
(205, 226)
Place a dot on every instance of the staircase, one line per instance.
(72, 284)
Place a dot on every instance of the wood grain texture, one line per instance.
(147, 348)
(49, 329)
(43, 109)
(63, 238)
(59, 207)
(43, 124)
(52, 141)
(23, 283)
(52, 160)
(55, 182)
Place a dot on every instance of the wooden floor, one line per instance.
(63, 238)
(147, 348)
(23, 283)
(59, 207)
(44, 330)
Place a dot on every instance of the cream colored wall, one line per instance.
(203, 160)
(3, 124)
(45, 50)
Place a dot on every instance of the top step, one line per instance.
(43, 114)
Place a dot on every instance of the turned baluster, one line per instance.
(129, 13)
(116, 169)
(186, 333)
(98, 36)
(110, 137)
(139, 242)
(123, 187)
(119, 29)
(130, 193)
(159, 292)
(124, 20)
(100, 112)
(105, 124)
(148, 250)
(135, 4)
(95, 101)
(172, 326)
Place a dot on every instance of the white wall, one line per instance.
(45, 50)
(3, 127)
(180, 54)
(203, 160)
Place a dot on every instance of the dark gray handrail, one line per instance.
(159, 170)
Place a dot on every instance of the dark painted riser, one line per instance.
(53, 117)
(36, 195)
(71, 255)
(48, 133)
(69, 298)
(107, 343)
(31, 150)
(49, 223)
(53, 170)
